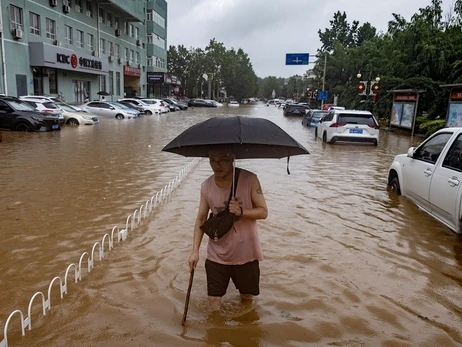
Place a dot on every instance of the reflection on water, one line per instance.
(346, 262)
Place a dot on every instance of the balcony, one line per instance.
(130, 10)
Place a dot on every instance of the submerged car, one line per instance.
(295, 110)
(431, 176)
(20, 116)
(348, 126)
(312, 118)
(110, 109)
(200, 103)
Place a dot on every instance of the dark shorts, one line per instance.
(246, 278)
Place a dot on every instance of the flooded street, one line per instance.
(346, 263)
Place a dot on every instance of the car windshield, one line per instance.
(149, 102)
(365, 119)
(21, 106)
(66, 107)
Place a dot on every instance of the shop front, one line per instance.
(161, 84)
(132, 77)
(64, 73)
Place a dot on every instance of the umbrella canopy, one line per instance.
(250, 138)
(103, 93)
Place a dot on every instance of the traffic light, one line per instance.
(315, 95)
(375, 87)
(309, 95)
(361, 87)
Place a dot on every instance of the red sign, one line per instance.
(405, 97)
(456, 94)
(74, 61)
(132, 71)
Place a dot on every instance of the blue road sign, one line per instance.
(297, 58)
(322, 94)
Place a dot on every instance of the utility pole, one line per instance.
(324, 78)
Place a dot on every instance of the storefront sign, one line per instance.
(456, 94)
(132, 71)
(46, 55)
(156, 77)
(405, 97)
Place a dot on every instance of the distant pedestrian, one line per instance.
(103, 98)
(87, 99)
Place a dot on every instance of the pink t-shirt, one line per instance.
(241, 244)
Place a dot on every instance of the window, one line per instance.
(79, 38)
(102, 83)
(15, 17)
(453, 159)
(117, 83)
(158, 19)
(109, 19)
(90, 43)
(34, 22)
(126, 28)
(111, 82)
(137, 33)
(149, 61)
(117, 51)
(126, 54)
(51, 29)
(78, 6)
(132, 55)
(431, 150)
(150, 38)
(159, 41)
(89, 6)
(110, 47)
(149, 15)
(101, 16)
(68, 34)
(137, 57)
(116, 23)
(130, 30)
(102, 46)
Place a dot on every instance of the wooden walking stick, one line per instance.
(186, 304)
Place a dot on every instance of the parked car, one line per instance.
(75, 116)
(312, 118)
(158, 103)
(110, 109)
(46, 106)
(17, 115)
(149, 109)
(134, 105)
(295, 110)
(348, 126)
(431, 176)
(233, 103)
(176, 103)
(200, 103)
(215, 103)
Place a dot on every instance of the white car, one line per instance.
(431, 176)
(348, 126)
(46, 106)
(70, 114)
(157, 102)
(110, 109)
(149, 109)
(40, 97)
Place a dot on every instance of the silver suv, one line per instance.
(348, 126)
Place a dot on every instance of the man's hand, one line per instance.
(235, 208)
(193, 259)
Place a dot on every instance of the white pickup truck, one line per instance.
(431, 176)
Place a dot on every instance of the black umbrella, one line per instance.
(250, 137)
(103, 93)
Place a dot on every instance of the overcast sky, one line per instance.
(268, 29)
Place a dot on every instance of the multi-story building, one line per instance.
(77, 48)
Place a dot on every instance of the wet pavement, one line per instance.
(347, 263)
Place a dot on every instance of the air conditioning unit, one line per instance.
(138, 42)
(111, 58)
(93, 53)
(118, 32)
(119, 60)
(57, 43)
(17, 33)
(53, 2)
(66, 9)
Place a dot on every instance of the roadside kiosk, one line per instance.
(454, 113)
(404, 108)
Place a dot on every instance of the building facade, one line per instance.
(77, 48)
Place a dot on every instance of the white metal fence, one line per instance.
(133, 220)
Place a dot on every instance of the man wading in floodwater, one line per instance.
(237, 254)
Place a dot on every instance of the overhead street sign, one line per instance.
(297, 58)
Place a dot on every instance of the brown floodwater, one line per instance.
(346, 263)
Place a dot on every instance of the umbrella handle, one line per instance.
(188, 294)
